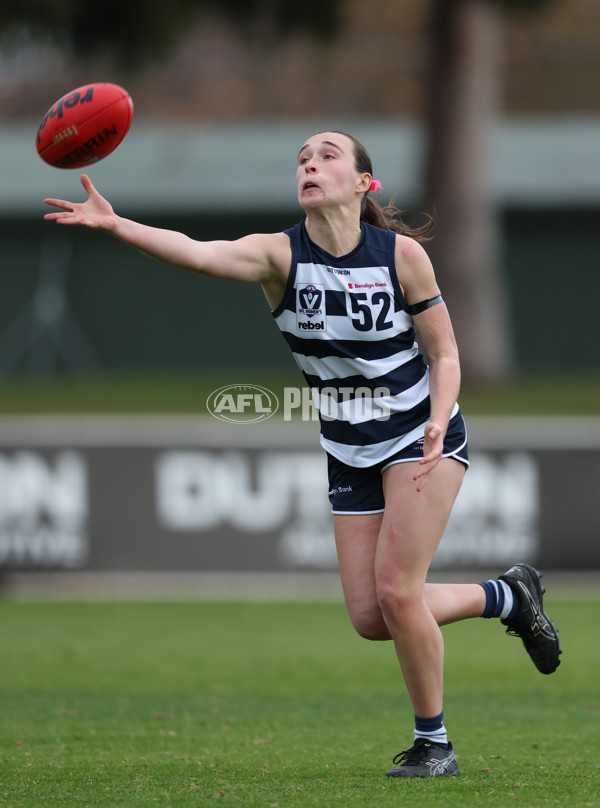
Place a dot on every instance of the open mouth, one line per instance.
(310, 185)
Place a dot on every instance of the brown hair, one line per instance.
(390, 216)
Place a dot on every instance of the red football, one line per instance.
(85, 125)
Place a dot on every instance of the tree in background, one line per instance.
(464, 97)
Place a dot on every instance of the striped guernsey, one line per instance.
(351, 332)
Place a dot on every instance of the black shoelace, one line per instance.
(415, 755)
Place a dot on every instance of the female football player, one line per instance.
(356, 298)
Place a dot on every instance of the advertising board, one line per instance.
(188, 493)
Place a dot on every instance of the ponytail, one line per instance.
(388, 217)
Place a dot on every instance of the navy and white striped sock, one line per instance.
(501, 601)
(432, 729)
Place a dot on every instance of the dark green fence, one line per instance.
(79, 299)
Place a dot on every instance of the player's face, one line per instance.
(327, 172)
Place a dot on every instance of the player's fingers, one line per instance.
(72, 220)
(433, 431)
(65, 217)
(423, 474)
(434, 454)
(419, 473)
(50, 217)
(421, 478)
(59, 203)
(87, 184)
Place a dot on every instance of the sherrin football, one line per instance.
(85, 125)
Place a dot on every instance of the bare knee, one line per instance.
(398, 602)
(370, 624)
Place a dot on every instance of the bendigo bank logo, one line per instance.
(310, 308)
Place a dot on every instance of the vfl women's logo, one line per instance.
(310, 299)
(310, 308)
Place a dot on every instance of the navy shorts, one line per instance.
(360, 490)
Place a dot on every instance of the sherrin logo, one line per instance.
(242, 403)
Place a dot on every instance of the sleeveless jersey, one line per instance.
(349, 329)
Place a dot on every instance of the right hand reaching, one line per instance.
(95, 212)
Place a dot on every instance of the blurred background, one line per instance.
(486, 112)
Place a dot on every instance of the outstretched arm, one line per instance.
(257, 257)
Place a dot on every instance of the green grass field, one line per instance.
(277, 705)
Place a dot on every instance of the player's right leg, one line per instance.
(529, 621)
(356, 541)
(515, 598)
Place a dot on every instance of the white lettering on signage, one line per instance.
(275, 491)
(495, 518)
(43, 509)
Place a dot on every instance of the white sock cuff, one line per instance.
(436, 737)
(509, 598)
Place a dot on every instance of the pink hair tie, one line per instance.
(376, 186)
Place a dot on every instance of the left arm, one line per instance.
(436, 338)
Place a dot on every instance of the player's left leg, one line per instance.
(411, 529)
(412, 526)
